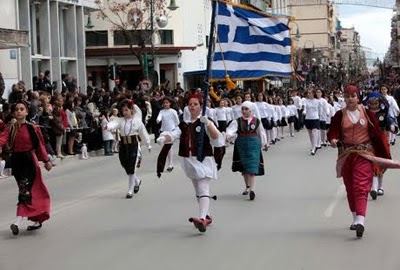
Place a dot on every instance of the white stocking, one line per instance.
(315, 138)
(2, 166)
(291, 128)
(380, 182)
(323, 136)
(202, 189)
(131, 183)
(18, 220)
(375, 183)
(170, 158)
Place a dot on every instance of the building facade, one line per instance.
(56, 40)
(182, 47)
(317, 22)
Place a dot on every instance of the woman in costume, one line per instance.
(324, 114)
(393, 112)
(247, 155)
(262, 107)
(378, 104)
(28, 148)
(200, 172)
(132, 130)
(355, 131)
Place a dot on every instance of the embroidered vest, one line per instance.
(189, 140)
(247, 129)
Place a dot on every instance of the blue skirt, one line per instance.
(247, 156)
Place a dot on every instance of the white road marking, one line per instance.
(338, 197)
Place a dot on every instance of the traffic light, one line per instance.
(150, 61)
(118, 70)
(111, 72)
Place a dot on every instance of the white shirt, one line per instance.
(324, 110)
(262, 108)
(292, 110)
(237, 111)
(270, 111)
(130, 127)
(210, 113)
(311, 109)
(284, 111)
(169, 119)
(229, 114)
(107, 134)
(393, 106)
(297, 102)
(221, 113)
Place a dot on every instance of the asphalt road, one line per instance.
(299, 219)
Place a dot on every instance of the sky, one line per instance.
(373, 24)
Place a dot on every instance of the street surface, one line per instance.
(298, 221)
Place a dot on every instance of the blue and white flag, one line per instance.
(250, 44)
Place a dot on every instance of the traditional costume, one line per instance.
(311, 121)
(28, 148)
(385, 123)
(200, 172)
(362, 143)
(132, 131)
(247, 155)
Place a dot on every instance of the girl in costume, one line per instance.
(237, 108)
(132, 130)
(28, 148)
(202, 171)
(262, 107)
(355, 131)
(169, 121)
(247, 155)
(393, 111)
(284, 115)
(293, 116)
(222, 115)
(311, 120)
(378, 104)
(324, 113)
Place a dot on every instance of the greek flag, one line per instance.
(250, 44)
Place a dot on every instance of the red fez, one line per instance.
(350, 89)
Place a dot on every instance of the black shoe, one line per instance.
(313, 153)
(353, 227)
(373, 194)
(169, 169)
(360, 230)
(246, 191)
(33, 228)
(14, 228)
(381, 192)
(128, 196)
(252, 195)
(136, 188)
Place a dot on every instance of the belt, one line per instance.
(129, 139)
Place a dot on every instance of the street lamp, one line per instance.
(173, 6)
(298, 35)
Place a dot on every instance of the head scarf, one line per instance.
(383, 103)
(249, 105)
(350, 89)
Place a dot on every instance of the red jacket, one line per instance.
(378, 138)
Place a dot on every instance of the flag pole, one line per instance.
(200, 145)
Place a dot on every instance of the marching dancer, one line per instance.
(265, 117)
(311, 120)
(355, 131)
(378, 104)
(393, 111)
(222, 116)
(200, 172)
(284, 115)
(169, 121)
(27, 146)
(324, 112)
(293, 116)
(131, 129)
(247, 155)
(237, 108)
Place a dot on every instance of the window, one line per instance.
(167, 37)
(96, 38)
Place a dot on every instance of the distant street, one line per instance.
(299, 219)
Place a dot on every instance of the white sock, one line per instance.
(204, 205)
(374, 183)
(360, 220)
(2, 166)
(354, 217)
(170, 158)
(131, 183)
(380, 182)
(18, 220)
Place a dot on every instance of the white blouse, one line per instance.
(169, 119)
(130, 127)
(311, 109)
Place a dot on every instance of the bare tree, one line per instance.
(134, 20)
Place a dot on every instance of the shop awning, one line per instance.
(11, 39)
(194, 73)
